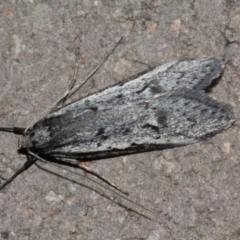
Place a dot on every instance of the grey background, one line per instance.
(192, 192)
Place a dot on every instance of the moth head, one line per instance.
(26, 142)
(35, 138)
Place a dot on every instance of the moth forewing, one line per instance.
(165, 107)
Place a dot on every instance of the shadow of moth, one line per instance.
(162, 108)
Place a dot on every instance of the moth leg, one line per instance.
(84, 168)
(30, 161)
(90, 171)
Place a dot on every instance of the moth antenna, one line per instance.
(72, 89)
(15, 130)
(64, 98)
(27, 164)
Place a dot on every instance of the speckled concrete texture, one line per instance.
(188, 193)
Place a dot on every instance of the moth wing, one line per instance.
(193, 74)
(176, 118)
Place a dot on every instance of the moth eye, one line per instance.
(32, 134)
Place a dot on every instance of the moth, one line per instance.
(165, 107)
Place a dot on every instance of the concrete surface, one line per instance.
(192, 192)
